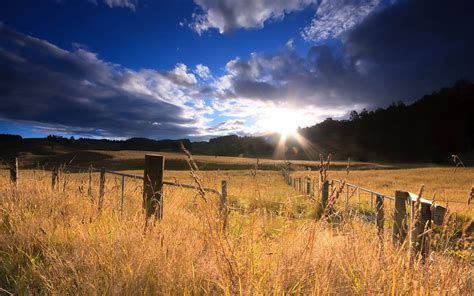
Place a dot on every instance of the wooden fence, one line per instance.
(405, 204)
(152, 185)
(403, 201)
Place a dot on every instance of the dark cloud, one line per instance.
(415, 47)
(398, 53)
(77, 92)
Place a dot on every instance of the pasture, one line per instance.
(57, 241)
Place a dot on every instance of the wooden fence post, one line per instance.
(347, 196)
(54, 178)
(89, 190)
(308, 186)
(380, 215)
(399, 230)
(14, 170)
(153, 185)
(101, 187)
(223, 206)
(419, 241)
(313, 183)
(324, 198)
(122, 195)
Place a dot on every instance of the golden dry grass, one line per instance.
(441, 183)
(57, 242)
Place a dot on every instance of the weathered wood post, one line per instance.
(153, 185)
(122, 195)
(300, 185)
(101, 187)
(419, 242)
(315, 192)
(55, 178)
(14, 170)
(308, 186)
(89, 190)
(347, 196)
(324, 198)
(223, 205)
(399, 230)
(379, 215)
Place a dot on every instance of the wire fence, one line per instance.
(89, 181)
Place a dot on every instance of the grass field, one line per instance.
(58, 242)
(134, 160)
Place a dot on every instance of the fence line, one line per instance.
(420, 227)
(176, 184)
(152, 188)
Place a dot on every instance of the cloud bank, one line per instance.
(390, 54)
(81, 94)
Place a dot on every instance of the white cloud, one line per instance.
(203, 72)
(334, 17)
(131, 4)
(226, 15)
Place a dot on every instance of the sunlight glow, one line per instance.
(283, 121)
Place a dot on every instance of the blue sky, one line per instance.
(204, 68)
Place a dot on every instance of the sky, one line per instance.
(205, 68)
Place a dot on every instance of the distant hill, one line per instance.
(431, 129)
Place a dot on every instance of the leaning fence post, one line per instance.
(399, 230)
(153, 185)
(101, 187)
(14, 170)
(223, 206)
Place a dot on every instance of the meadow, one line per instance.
(58, 242)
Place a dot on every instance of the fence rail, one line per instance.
(429, 212)
(365, 189)
(152, 183)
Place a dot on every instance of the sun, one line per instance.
(281, 120)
